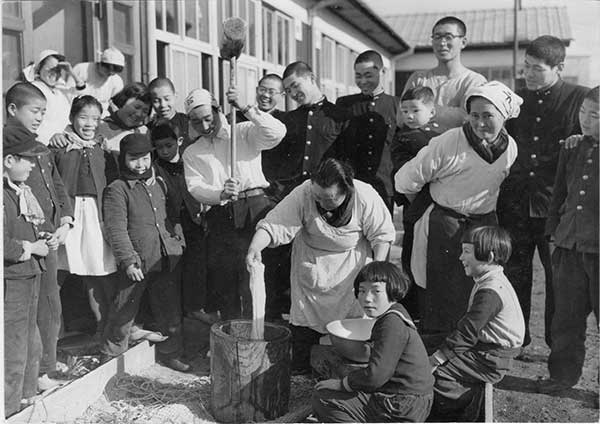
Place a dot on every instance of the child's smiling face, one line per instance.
(589, 118)
(138, 163)
(373, 298)
(473, 267)
(86, 122)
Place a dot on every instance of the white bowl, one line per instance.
(349, 337)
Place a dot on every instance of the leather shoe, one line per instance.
(177, 364)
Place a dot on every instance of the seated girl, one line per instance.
(487, 337)
(397, 383)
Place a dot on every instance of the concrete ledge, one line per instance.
(71, 400)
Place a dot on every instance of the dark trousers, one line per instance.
(49, 313)
(164, 297)
(303, 339)
(575, 296)
(193, 279)
(332, 406)
(230, 230)
(277, 262)
(448, 288)
(526, 235)
(102, 290)
(22, 344)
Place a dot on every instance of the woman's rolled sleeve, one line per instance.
(285, 220)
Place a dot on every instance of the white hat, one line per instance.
(48, 52)
(112, 56)
(503, 98)
(199, 97)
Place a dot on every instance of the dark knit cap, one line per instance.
(18, 140)
(136, 144)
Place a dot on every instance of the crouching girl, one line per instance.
(396, 385)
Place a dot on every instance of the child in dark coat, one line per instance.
(146, 250)
(24, 250)
(396, 385)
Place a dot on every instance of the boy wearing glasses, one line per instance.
(269, 93)
(450, 79)
(101, 79)
(365, 143)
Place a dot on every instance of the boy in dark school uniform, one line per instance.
(365, 142)
(24, 250)
(573, 224)
(147, 253)
(187, 215)
(25, 108)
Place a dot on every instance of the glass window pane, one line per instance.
(193, 72)
(123, 27)
(190, 18)
(207, 72)
(287, 46)
(159, 14)
(280, 40)
(203, 20)
(251, 29)
(11, 8)
(178, 76)
(339, 63)
(327, 58)
(228, 8)
(12, 57)
(127, 73)
(172, 16)
(268, 38)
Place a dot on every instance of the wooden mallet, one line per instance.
(234, 39)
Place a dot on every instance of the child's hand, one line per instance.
(331, 384)
(61, 233)
(39, 248)
(134, 273)
(571, 141)
(59, 140)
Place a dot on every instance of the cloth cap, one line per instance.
(45, 53)
(502, 97)
(17, 140)
(199, 97)
(135, 144)
(113, 56)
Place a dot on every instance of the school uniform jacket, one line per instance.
(137, 227)
(365, 142)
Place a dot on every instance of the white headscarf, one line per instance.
(503, 98)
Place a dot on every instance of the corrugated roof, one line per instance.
(362, 17)
(487, 28)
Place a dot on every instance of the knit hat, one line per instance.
(199, 97)
(503, 98)
(113, 56)
(18, 140)
(135, 144)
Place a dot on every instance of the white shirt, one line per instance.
(96, 85)
(207, 162)
(58, 106)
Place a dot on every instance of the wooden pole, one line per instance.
(233, 82)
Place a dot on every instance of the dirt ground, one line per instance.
(160, 395)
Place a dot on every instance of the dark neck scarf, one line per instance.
(341, 215)
(489, 152)
(173, 168)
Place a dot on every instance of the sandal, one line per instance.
(151, 336)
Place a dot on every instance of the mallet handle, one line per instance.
(233, 82)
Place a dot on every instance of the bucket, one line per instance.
(250, 378)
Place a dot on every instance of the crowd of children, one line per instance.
(115, 201)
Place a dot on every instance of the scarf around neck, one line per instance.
(489, 152)
(78, 143)
(29, 206)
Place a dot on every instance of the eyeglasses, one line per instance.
(264, 90)
(446, 37)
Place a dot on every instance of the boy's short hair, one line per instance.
(83, 101)
(424, 94)
(135, 90)
(21, 94)
(273, 77)
(547, 48)
(161, 82)
(593, 94)
(301, 69)
(370, 56)
(163, 128)
(396, 281)
(489, 239)
(452, 20)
